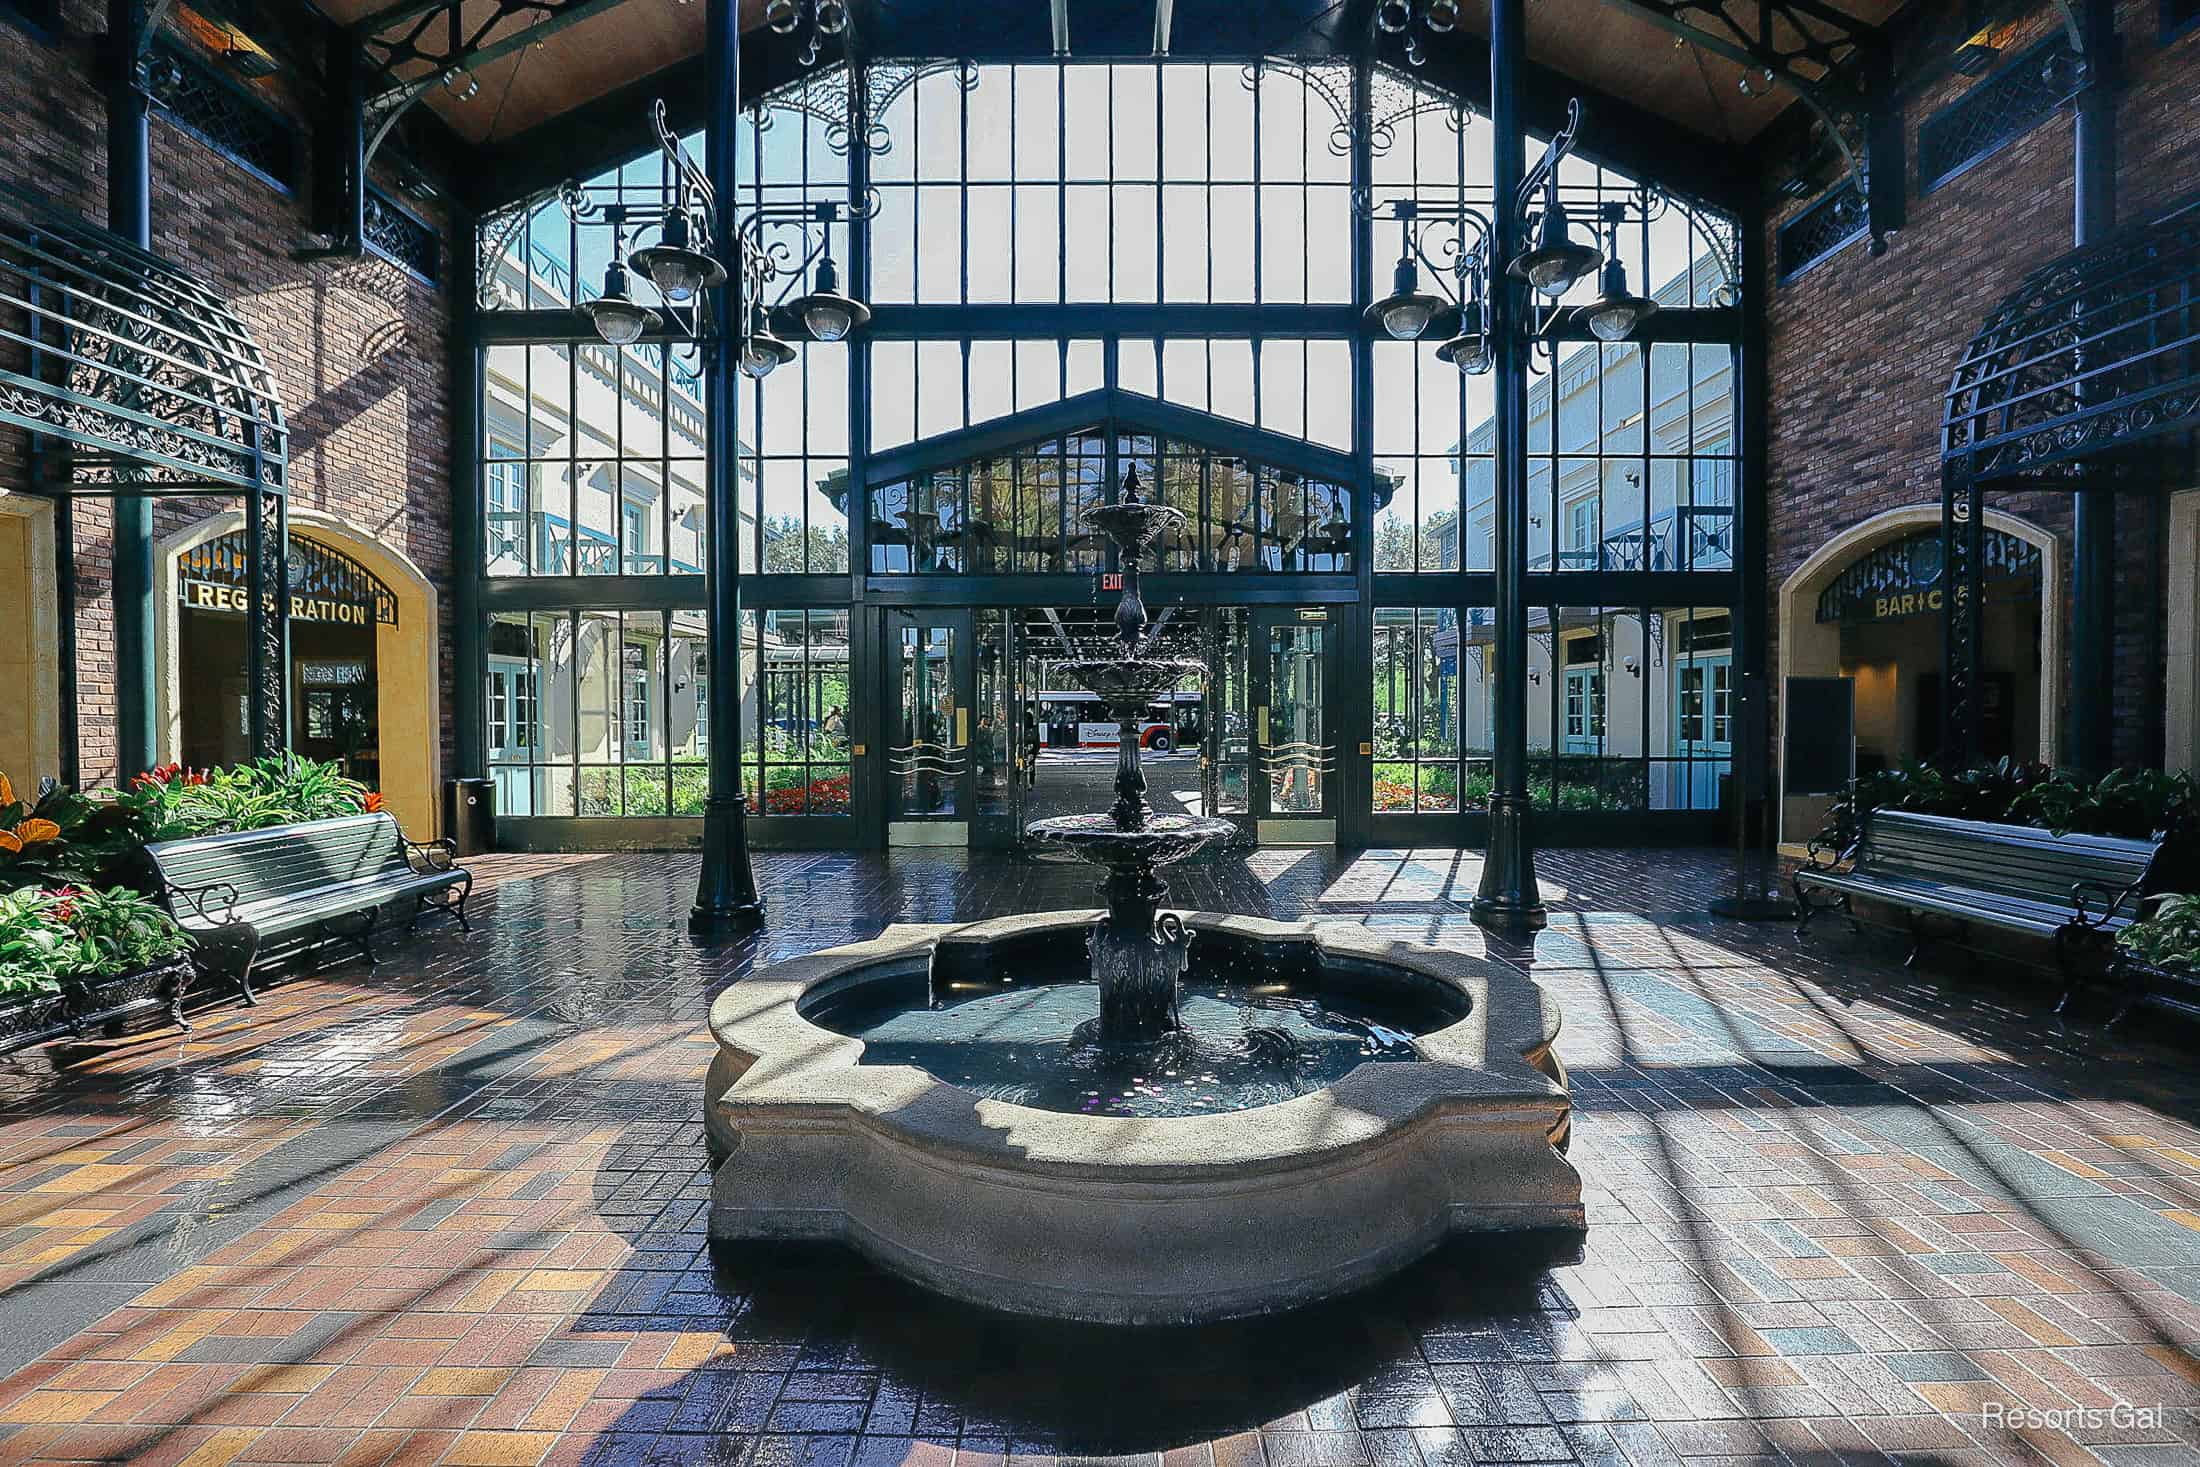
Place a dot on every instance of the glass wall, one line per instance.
(1138, 182)
(596, 712)
(1432, 711)
(591, 461)
(1022, 510)
(1180, 237)
(796, 718)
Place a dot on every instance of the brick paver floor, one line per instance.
(452, 1209)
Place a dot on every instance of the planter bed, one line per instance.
(2150, 983)
(81, 1008)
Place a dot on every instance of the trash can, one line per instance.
(470, 815)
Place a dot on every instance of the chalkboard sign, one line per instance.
(1820, 744)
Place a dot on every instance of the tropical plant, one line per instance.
(51, 938)
(2139, 803)
(278, 789)
(64, 837)
(2169, 937)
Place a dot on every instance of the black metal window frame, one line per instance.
(1816, 233)
(1059, 340)
(1996, 110)
(200, 101)
(402, 237)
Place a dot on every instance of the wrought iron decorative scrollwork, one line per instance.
(886, 82)
(1394, 101)
(316, 572)
(395, 234)
(1915, 564)
(1835, 218)
(208, 106)
(2076, 361)
(1332, 83)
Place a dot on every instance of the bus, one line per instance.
(1075, 720)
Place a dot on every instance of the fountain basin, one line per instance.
(1139, 1220)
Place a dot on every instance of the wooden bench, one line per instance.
(2078, 891)
(290, 886)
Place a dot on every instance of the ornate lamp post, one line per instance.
(720, 305)
(1504, 292)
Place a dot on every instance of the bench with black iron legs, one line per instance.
(257, 893)
(1949, 876)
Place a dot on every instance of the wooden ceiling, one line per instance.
(1618, 52)
(1602, 46)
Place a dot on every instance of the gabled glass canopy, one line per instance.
(1009, 498)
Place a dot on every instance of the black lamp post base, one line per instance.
(1508, 900)
(725, 893)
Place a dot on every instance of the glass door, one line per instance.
(1003, 725)
(1294, 749)
(1703, 716)
(931, 788)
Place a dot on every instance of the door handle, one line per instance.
(1261, 720)
(962, 727)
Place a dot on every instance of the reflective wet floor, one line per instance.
(452, 1209)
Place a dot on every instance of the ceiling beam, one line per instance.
(468, 57)
(389, 15)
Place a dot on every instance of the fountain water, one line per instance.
(1138, 952)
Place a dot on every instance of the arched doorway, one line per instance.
(364, 656)
(1866, 607)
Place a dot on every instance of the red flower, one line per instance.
(157, 775)
(374, 802)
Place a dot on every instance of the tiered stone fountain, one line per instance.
(1138, 952)
(1184, 1129)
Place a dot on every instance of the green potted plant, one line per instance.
(79, 957)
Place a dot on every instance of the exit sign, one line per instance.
(1112, 581)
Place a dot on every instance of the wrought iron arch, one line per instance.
(134, 378)
(2092, 356)
(2092, 353)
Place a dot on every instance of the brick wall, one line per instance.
(359, 347)
(1860, 350)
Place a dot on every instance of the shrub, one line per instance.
(2170, 938)
(279, 789)
(66, 838)
(2141, 804)
(97, 838)
(49, 938)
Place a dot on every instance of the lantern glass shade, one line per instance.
(674, 265)
(828, 317)
(1469, 351)
(763, 353)
(1617, 311)
(620, 322)
(1406, 312)
(1406, 317)
(679, 273)
(1557, 260)
(618, 318)
(825, 313)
